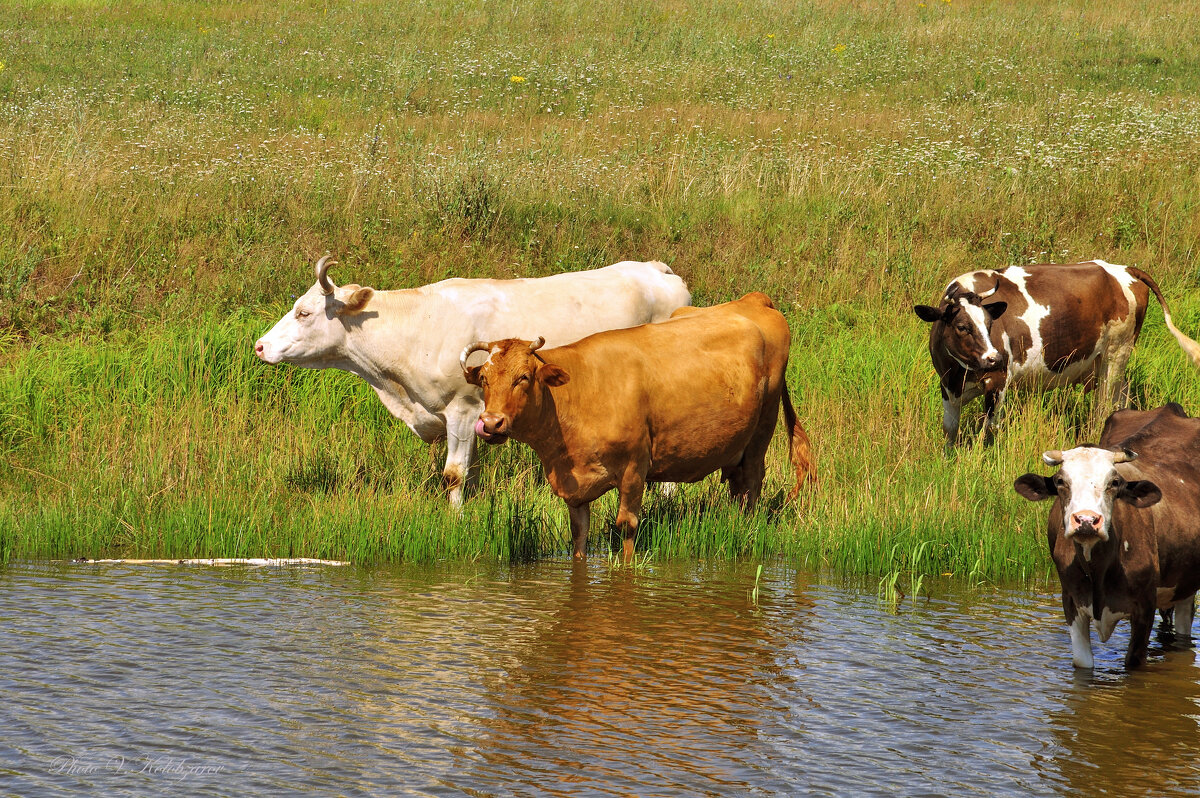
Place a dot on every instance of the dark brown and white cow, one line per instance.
(1124, 531)
(405, 343)
(1039, 327)
(666, 402)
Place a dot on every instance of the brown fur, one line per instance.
(666, 402)
(1084, 301)
(1148, 547)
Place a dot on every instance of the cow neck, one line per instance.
(376, 348)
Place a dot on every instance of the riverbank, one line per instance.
(166, 186)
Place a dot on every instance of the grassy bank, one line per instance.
(168, 172)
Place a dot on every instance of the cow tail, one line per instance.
(1189, 346)
(799, 447)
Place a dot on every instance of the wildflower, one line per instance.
(1, 66)
(770, 35)
(920, 5)
(517, 79)
(839, 48)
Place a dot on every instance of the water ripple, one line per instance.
(548, 680)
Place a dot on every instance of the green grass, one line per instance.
(169, 171)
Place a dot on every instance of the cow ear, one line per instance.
(928, 313)
(471, 374)
(1035, 487)
(1140, 493)
(552, 375)
(356, 302)
(996, 309)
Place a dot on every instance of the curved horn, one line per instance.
(995, 288)
(469, 350)
(538, 344)
(322, 274)
(1052, 458)
(1125, 456)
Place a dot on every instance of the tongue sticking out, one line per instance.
(479, 429)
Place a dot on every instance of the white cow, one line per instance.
(406, 343)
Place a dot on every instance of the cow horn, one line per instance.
(469, 350)
(536, 345)
(322, 274)
(995, 288)
(1125, 456)
(1053, 458)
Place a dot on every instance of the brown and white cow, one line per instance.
(1124, 531)
(1039, 327)
(666, 402)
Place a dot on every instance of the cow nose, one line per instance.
(494, 424)
(258, 347)
(990, 360)
(1086, 518)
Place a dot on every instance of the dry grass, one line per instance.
(167, 172)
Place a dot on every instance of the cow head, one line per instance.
(1087, 485)
(514, 380)
(966, 323)
(313, 334)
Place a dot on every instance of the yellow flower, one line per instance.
(770, 35)
(1, 66)
(517, 79)
(839, 48)
(920, 5)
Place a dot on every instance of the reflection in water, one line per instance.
(550, 679)
(630, 682)
(1133, 734)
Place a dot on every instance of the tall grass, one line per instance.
(168, 171)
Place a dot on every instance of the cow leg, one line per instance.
(1112, 390)
(1081, 641)
(992, 402)
(951, 412)
(460, 451)
(1140, 624)
(581, 523)
(1184, 611)
(631, 490)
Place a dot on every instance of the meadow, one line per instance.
(169, 171)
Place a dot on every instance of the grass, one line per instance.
(168, 172)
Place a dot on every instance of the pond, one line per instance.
(553, 679)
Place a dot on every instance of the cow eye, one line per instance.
(962, 328)
(1116, 483)
(1060, 483)
(521, 379)
(302, 314)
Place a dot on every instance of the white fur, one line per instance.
(1087, 472)
(406, 344)
(1081, 639)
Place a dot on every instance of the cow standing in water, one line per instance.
(405, 344)
(1041, 327)
(666, 402)
(1124, 531)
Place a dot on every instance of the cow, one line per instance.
(1124, 530)
(405, 343)
(672, 401)
(1040, 326)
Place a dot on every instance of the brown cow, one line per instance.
(665, 402)
(1124, 531)
(1041, 327)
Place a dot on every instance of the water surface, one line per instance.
(548, 679)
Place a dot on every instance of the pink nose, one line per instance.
(494, 424)
(258, 348)
(1086, 518)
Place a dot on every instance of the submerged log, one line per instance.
(255, 562)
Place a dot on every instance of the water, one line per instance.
(546, 679)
